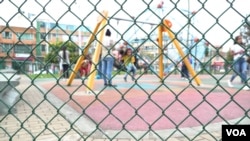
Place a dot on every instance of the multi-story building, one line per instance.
(24, 46)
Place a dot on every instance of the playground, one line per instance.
(148, 103)
(133, 70)
(153, 101)
(163, 27)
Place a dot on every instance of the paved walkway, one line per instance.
(43, 114)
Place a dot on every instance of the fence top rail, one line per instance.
(128, 20)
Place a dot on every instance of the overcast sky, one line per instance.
(204, 21)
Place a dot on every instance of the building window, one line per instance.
(70, 27)
(54, 35)
(5, 48)
(23, 48)
(42, 24)
(43, 36)
(63, 26)
(49, 36)
(7, 35)
(43, 48)
(25, 36)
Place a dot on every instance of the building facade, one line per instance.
(24, 48)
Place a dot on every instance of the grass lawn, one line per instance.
(49, 75)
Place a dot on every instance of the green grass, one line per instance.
(56, 75)
(49, 75)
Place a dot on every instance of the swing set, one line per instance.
(100, 28)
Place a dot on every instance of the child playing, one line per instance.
(85, 66)
(129, 61)
(184, 69)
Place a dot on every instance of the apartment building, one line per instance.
(26, 47)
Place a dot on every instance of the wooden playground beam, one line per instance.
(165, 27)
(100, 20)
(96, 56)
(134, 21)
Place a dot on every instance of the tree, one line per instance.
(245, 32)
(52, 57)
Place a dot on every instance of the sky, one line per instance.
(208, 12)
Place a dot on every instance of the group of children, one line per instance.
(125, 60)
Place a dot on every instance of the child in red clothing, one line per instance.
(86, 66)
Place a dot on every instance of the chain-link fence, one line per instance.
(177, 83)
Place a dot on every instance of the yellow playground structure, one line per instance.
(164, 26)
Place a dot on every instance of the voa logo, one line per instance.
(236, 132)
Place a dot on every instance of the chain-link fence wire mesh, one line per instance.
(43, 107)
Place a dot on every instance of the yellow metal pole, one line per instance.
(85, 52)
(97, 53)
(177, 45)
(160, 44)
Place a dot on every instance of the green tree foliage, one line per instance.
(52, 56)
(229, 56)
(246, 32)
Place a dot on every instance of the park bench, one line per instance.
(8, 94)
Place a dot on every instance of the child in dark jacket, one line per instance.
(184, 69)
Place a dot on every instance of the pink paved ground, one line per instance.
(151, 104)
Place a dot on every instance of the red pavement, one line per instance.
(151, 104)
